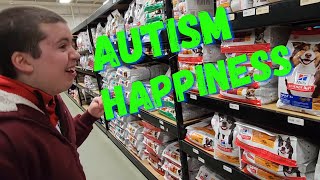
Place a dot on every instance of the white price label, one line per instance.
(161, 122)
(162, 127)
(307, 2)
(231, 17)
(226, 168)
(234, 106)
(249, 12)
(262, 10)
(192, 96)
(297, 121)
(195, 151)
(201, 160)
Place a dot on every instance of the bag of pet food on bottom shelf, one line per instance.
(282, 149)
(294, 173)
(201, 134)
(134, 128)
(300, 90)
(172, 169)
(171, 152)
(226, 133)
(259, 173)
(154, 148)
(156, 163)
(156, 134)
(206, 174)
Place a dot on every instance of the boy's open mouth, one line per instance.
(71, 70)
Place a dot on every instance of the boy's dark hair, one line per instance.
(20, 31)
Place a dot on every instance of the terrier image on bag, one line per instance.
(284, 148)
(259, 35)
(305, 78)
(226, 129)
(290, 171)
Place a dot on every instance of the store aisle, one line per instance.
(100, 158)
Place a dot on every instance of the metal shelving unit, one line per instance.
(289, 12)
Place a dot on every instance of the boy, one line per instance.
(38, 136)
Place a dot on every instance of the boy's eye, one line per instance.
(63, 46)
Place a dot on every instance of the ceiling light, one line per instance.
(64, 1)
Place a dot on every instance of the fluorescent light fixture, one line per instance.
(64, 1)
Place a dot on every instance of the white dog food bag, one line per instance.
(260, 173)
(206, 174)
(282, 149)
(277, 169)
(134, 128)
(156, 134)
(201, 134)
(171, 152)
(226, 132)
(235, 5)
(300, 90)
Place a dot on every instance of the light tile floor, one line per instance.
(100, 158)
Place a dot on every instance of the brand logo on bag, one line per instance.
(245, 134)
(303, 79)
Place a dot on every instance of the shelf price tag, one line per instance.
(195, 151)
(192, 96)
(307, 2)
(226, 168)
(161, 122)
(234, 106)
(263, 10)
(249, 12)
(297, 121)
(231, 17)
(201, 160)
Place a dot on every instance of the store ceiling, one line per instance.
(73, 9)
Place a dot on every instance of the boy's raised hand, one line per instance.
(96, 107)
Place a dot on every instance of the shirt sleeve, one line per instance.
(9, 168)
(83, 126)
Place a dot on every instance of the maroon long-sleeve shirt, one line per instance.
(31, 148)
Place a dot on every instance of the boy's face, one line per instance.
(54, 71)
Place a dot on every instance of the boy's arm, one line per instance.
(83, 126)
(8, 165)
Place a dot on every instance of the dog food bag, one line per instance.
(252, 96)
(201, 134)
(154, 148)
(156, 134)
(257, 3)
(141, 72)
(172, 153)
(226, 132)
(156, 163)
(206, 174)
(249, 41)
(260, 173)
(282, 149)
(135, 141)
(300, 90)
(202, 54)
(277, 169)
(235, 5)
(172, 169)
(135, 128)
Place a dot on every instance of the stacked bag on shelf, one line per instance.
(270, 155)
(83, 41)
(299, 91)
(135, 139)
(247, 42)
(201, 134)
(140, 72)
(155, 141)
(189, 58)
(154, 10)
(172, 163)
(91, 83)
(205, 173)
(233, 6)
(183, 7)
(87, 61)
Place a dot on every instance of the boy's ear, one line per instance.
(22, 62)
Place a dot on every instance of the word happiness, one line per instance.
(209, 77)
